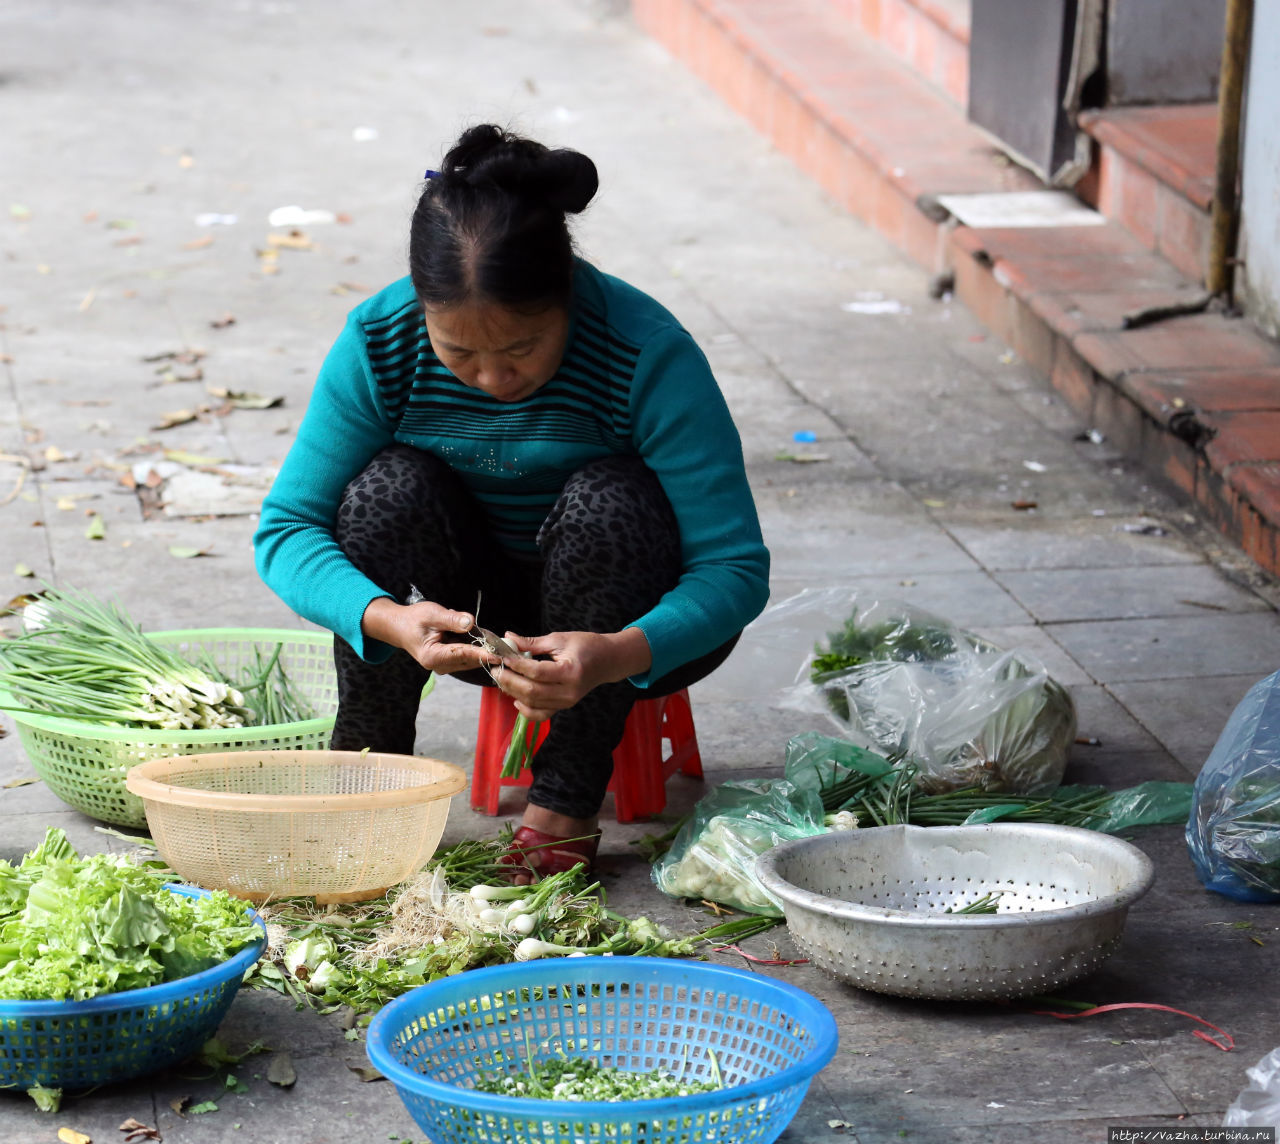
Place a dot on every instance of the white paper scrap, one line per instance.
(294, 215)
(1021, 209)
(881, 306)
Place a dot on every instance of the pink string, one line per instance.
(1144, 1005)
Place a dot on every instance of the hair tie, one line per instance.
(431, 175)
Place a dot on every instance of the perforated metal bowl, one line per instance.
(869, 906)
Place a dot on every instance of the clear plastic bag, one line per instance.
(1234, 830)
(713, 856)
(904, 683)
(1258, 1105)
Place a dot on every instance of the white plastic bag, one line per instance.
(1258, 1105)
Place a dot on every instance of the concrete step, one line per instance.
(1196, 398)
(1154, 176)
(930, 35)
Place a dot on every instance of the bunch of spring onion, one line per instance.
(460, 913)
(891, 798)
(79, 658)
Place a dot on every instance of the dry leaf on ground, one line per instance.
(245, 400)
(174, 418)
(281, 1071)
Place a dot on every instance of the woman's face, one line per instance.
(501, 352)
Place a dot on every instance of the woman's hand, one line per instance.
(572, 664)
(421, 630)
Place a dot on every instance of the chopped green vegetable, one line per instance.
(581, 1078)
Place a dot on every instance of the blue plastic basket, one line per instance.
(79, 1044)
(634, 1013)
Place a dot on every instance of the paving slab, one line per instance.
(1134, 592)
(1186, 715)
(1176, 647)
(1083, 542)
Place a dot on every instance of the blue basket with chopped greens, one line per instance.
(109, 971)
(600, 1049)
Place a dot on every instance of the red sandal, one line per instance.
(541, 854)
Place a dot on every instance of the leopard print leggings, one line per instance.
(607, 553)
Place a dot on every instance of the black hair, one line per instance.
(490, 225)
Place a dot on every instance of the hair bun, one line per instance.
(571, 180)
(487, 156)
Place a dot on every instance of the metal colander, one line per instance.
(869, 906)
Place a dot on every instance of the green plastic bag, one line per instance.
(1147, 804)
(816, 761)
(713, 856)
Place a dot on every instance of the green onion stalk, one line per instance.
(521, 747)
(893, 798)
(82, 659)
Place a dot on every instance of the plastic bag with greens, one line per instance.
(910, 685)
(713, 856)
(1234, 830)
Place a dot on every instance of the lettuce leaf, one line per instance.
(72, 928)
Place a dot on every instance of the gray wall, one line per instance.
(1260, 226)
(1165, 51)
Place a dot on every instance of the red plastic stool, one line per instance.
(640, 767)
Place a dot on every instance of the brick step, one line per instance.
(850, 114)
(930, 35)
(1196, 398)
(1154, 176)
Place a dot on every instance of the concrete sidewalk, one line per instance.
(126, 123)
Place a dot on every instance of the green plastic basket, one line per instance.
(85, 764)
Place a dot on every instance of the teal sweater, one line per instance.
(632, 382)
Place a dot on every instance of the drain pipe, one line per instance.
(1226, 205)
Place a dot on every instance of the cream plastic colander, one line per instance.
(341, 826)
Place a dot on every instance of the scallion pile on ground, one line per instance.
(459, 913)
